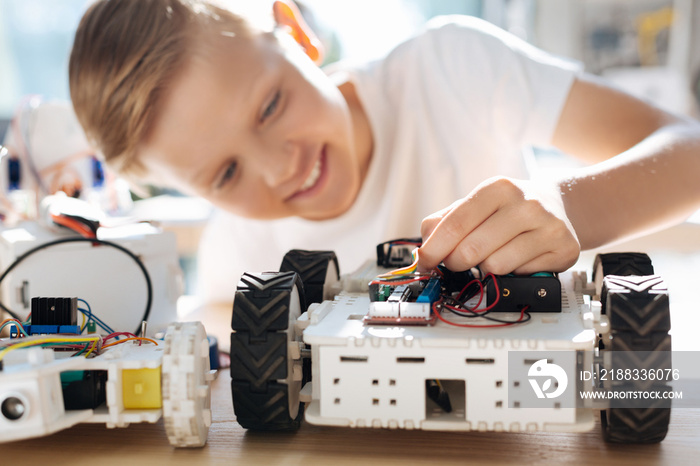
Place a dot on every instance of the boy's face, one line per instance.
(256, 128)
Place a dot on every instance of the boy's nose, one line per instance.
(282, 164)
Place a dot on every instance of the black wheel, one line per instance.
(638, 311)
(620, 263)
(266, 374)
(319, 271)
(316, 268)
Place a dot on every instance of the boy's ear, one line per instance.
(288, 16)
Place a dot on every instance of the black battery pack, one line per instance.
(540, 292)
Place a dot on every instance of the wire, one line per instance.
(84, 322)
(118, 334)
(118, 342)
(133, 256)
(25, 342)
(20, 327)
(501, 323)
(74, 225)
(94, 346)
(472, 312)
(409, 269)
(94, 318)
(400, 280)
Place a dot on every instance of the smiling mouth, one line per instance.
(313, 177)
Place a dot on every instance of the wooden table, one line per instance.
(229, 443)
(88, 444)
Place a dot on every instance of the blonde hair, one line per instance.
(125, 55)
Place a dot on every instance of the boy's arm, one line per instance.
(654, 182)
(646, 175)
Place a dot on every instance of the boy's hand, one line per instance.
(503, 226)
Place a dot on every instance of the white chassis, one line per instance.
(374, 375)
(31, 377)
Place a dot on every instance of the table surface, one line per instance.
(229, 443)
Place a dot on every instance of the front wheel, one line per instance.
(266, 373)
(186, 380)
(638, 310)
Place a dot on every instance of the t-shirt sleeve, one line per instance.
(520, 88)
(229, 247)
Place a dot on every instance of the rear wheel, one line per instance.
(265, 362)
(317, 269)
(319, 273)
(638, 311)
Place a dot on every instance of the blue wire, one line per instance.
(92, 316)
(86, 303)
(97, 320)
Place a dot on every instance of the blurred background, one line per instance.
(651, 48)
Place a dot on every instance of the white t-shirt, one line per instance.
(448, 109)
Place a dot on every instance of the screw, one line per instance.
(542, 292)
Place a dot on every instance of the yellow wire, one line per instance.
(41, 341)
(131, 338)
(94, 346)
(409, 269)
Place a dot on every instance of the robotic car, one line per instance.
(378, 348)
(47, 389)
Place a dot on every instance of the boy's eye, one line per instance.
(271, 107)
(227, 175)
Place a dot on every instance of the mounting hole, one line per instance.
(13, 408)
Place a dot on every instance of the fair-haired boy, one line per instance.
(198, 98)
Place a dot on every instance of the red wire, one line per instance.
(481, 293)
(73, 225)
(455, 324)
(480, 311)
(498, 292)
(116, 334)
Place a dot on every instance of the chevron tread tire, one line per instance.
(313, 268)
(264, 385)
(638, 311)
(620, 263)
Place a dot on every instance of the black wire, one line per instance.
(470, 314)
(136, 259)
(471, 293)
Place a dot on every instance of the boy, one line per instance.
(190, 95)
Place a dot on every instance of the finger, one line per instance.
(453, 227)
(517, 252)
(534, 251)
(431, 221)
(553, 261)
(493, 234)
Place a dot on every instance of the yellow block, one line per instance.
(141, 388)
